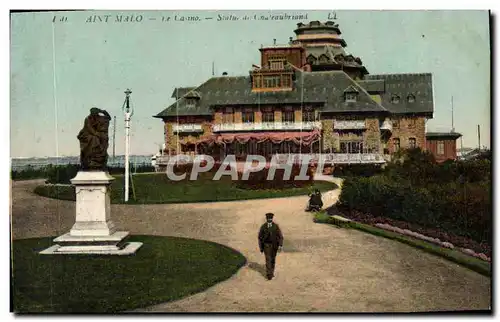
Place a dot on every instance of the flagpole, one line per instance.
(128, 114)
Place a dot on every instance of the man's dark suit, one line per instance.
(270, 239)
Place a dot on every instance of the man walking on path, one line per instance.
(270, 242)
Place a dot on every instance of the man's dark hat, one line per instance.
(269, 215)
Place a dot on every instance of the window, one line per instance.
(350, 97)
(277, 64)
(272, 81)
(268, 117)
(311, 60)
(287, 81)
(247, 117)
(440, 148)
(395, 99)
(395, 124)
(257, 81)
(351, 147)
(412, 143)
(324, 59)
(190, 102)
(308, 116)
(411, 123)
(288, 117)
(397, 144)
(228, 116)
(411, 98)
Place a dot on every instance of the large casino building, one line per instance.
(308, 96)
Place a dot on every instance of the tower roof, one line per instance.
(318, 33)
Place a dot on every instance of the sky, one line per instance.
(62, 68)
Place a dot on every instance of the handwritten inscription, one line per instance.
(142, 18)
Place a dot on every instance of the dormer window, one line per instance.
(311, 60)
(272, 81)
(395, 99)
(351, 94)
(350, 97)
(277, 64)
(411, 98)
(323, 59)
(190, 102)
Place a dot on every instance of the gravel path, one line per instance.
(322, 268)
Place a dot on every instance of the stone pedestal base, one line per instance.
(99, 245)
(93, 231)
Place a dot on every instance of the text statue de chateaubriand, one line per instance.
(94, 140)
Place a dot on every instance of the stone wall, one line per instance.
(371, 136)
(409, 127)
(237, 115)
(171, 137)
(218, 117)
(298, 115)
(330, 141)
(277, 115)
(258, 116)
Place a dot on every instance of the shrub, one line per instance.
(321, 217)
(462, 209)
(29, 172)
(357, 170)
(62, 174)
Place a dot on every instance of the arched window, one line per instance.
(397, 144)
(411, 98)
(323, 59)
(311, 60)
(395, 99)
(412, 143)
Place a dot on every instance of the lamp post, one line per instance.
(128, 114)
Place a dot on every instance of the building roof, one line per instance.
(373, 85)
(443, 135)
(181, 91)
(404, 85)
(323, 88)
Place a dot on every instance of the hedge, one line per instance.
(463, 209)
(62, 174)
(258, 180)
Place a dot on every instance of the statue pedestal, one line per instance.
(93, 231)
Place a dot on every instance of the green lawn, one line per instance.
(157, 188)
(164, 269)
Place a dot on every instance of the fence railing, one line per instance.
(187, 128)
(329, 158)
(348, 125)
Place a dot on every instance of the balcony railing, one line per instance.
(266, 126)
(187, 128)
(335, 158)
(329, 158)
(348, 125)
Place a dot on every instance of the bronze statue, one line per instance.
(94, 140)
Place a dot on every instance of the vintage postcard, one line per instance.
(250, 161)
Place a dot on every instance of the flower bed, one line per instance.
(432, 240)
(258, 180)
(468, 245)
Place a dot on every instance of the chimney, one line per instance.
(274, 42)
(290, 40)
